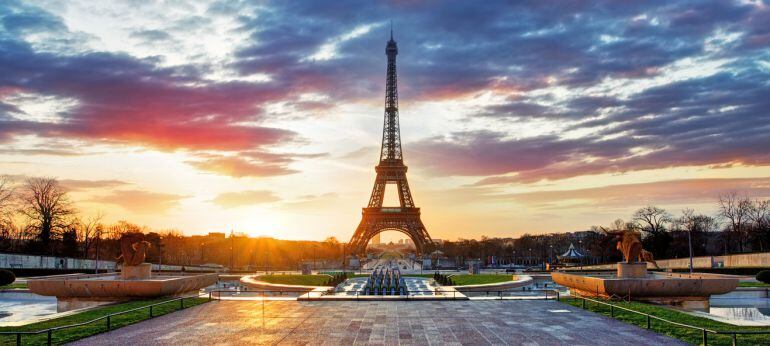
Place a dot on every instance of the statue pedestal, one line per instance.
(139, 272)
(632, 270)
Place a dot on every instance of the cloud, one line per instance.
(141, 202)
(250, 164)
(309, 203)
(245, 198)
(687, 123)
(686, 191)
(127, 100)
(150, 35)
(77, 184)
(633, 86)
(42, 151)
(74, 184)
(239, 167)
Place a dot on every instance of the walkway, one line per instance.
(533, 322)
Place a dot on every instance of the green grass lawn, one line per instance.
(685, 334)
(479, 279)
(292, 279)
(753, 284)
(15, 286)
(76, 333)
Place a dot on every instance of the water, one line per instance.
(415, 286)
(741, 311)
(16, 308)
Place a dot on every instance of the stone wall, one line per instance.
(752, 260)
(21, 261)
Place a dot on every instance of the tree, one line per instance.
(87, 229)
(694, 223)
(759, 215)
(47, 205)
(652, 219)
(735, 210)
(6, 196)
(7, 227)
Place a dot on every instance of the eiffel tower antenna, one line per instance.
(391, 29)
(391, 170)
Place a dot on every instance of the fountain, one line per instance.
(385, 282)
(632, 280)
(135, 281)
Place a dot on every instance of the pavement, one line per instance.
(507, 322)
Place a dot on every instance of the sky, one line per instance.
(266, 117)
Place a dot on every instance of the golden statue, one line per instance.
(630, 244)
(133, 249)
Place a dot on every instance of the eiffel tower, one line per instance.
(391, 170)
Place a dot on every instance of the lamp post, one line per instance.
(530, 256)
(582, 253)
(232, 251)
(267, 262)
(514, 258)
(98, 238)
(689, 244)
(550, 253)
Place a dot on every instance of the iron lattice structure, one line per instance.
(391, 170)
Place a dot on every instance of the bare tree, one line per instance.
(759, 215)
(47, 205)
(736, 210)
(652, 219)
(87, 229)
(6, 196)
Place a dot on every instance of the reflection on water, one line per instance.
(17, 307)
(755, 310)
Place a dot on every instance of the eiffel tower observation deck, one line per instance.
(391, 170)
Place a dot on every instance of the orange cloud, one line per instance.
(661, 192)
(141, 202)
(239, 167)
(245, 198)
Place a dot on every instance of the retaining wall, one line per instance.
(752, 260)
(22, 261)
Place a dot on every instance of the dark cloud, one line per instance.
(151, 35)
(458, 48)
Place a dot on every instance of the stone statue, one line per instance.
(133, 249)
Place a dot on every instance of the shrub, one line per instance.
(764, 276)
(6, 277)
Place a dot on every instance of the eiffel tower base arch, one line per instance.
(377, 220)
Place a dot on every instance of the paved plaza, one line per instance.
(529, 322)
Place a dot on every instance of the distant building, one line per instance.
(376, 239)
(216, 235)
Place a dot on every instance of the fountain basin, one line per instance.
(75, 291)
(687, 290)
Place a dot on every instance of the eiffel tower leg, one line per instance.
(357, 244)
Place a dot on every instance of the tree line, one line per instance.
(38, 217)
(741, 224)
